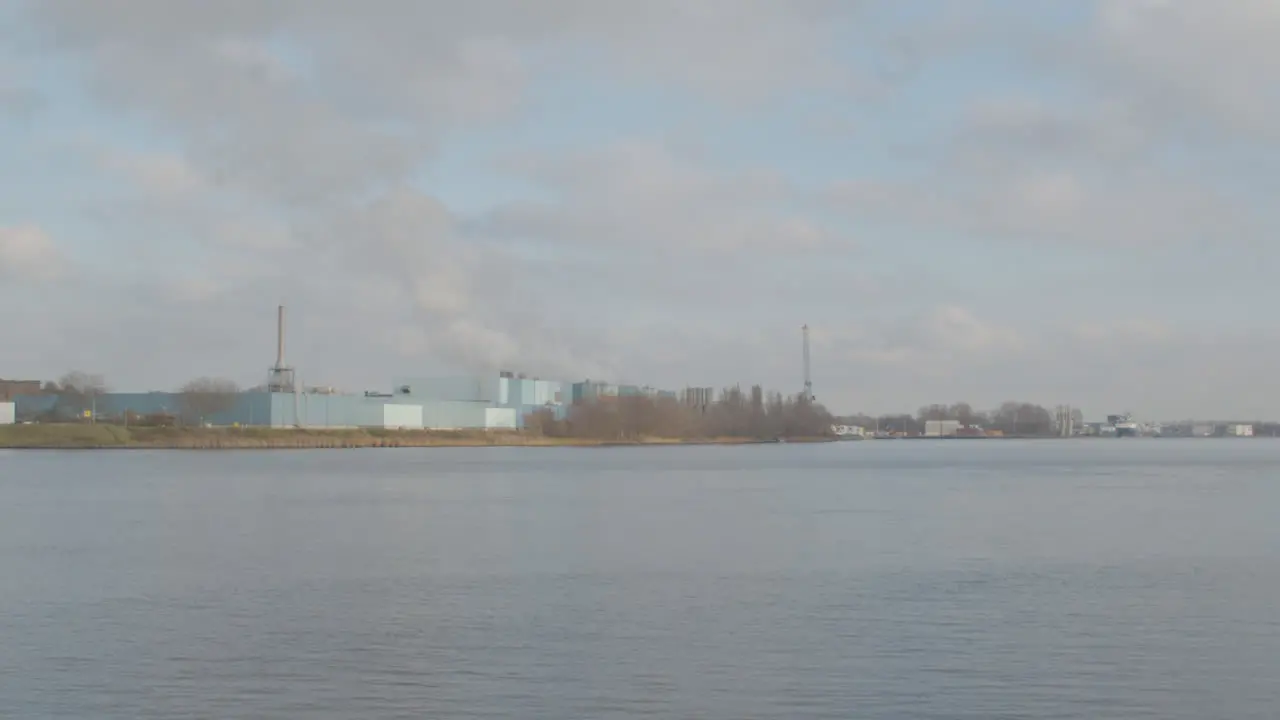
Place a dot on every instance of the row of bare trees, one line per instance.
(77, 392)
(1010, 418)
(758, 415)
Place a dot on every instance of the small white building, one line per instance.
(1240, 430)
(849, 431)
(941, 428)
(8, 413)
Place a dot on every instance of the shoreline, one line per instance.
(117, 437)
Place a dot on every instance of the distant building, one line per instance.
(10, 389)
(699, 397)
(941, 428)
(1240, 430)
(252, 408)
(501, 400)
(8, 413)
(592, 390)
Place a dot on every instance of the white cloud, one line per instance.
(156, 174)
(275, 151)
(644, 197)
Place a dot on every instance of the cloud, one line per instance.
(155, 174)
(20, 102)
(635, 191)
(28, 254)
(944, 338)
(642, 196)
(1187, 62)
(302, 125)
(1140, 208)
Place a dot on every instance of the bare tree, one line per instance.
(205, 397)
(77, 394)
(81, 383)
(1021, 418)
(735, 414)
(935, 412)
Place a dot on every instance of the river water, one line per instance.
(1060, 579)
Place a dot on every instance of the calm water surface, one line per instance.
(1093, 579)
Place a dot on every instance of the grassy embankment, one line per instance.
(101, 436)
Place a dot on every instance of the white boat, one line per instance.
(1124, 425)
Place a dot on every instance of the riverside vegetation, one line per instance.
(66, 436)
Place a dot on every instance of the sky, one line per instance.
(1061, 201)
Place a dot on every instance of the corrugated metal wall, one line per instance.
(408, 417)
(327, 411)
(454, 415)
(453, 403)
(460, 389)
(246, 408)
(500, 418)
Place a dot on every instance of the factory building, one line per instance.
(591, 391)
(10, 389)
(699, 397)
(489, 401)
(413, 403)
(492, 401)
(941, 428)
(264, 409)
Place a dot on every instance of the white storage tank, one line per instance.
(8, 413)
(941, 428)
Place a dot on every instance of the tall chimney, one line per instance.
(280, 337)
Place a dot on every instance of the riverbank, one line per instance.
(103, 436)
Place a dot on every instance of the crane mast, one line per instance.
(808, 377)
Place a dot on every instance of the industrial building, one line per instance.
(499, 401)
(8, 413)
(591, 391)
(941, 428)
(492, 401)
(699, 397)
(265, 409)
(489, 401)
(10, 389)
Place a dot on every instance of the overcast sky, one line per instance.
(1062, 202)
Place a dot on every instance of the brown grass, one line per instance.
(84, 436)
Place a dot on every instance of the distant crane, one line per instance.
(808, 377)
